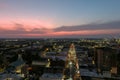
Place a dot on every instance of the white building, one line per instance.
(18, 64)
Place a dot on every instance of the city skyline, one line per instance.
(59, 18)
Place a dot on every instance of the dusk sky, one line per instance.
(59, 18)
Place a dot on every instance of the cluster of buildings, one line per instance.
(46, 59)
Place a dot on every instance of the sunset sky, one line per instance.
(59, 18)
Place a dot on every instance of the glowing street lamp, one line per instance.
(70, 63)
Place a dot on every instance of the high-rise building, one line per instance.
(106, 60)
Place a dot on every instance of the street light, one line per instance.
(70, 63)
(78, 71)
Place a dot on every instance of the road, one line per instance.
(71, 70)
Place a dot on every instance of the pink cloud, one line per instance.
(86, 32)
(24, 29)
(73, 33)
(60, 34)
(28, 24)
